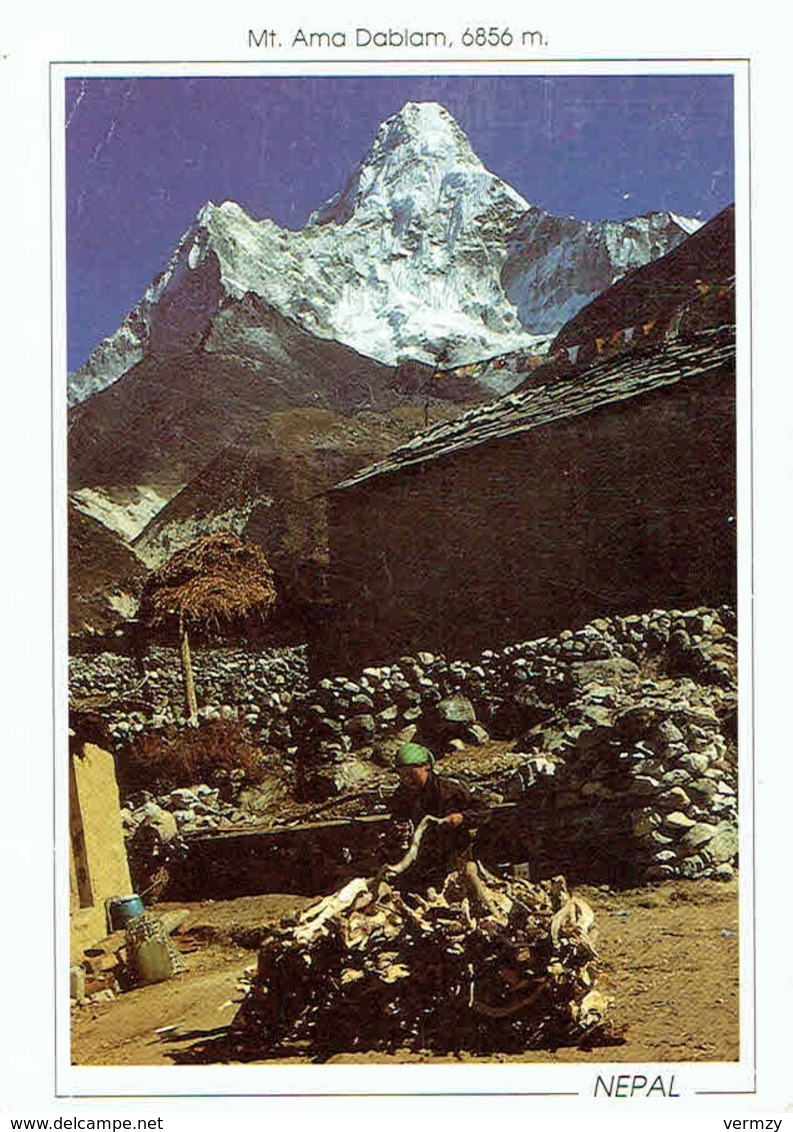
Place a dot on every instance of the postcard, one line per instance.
(404, 456)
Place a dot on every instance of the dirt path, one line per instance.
(669, 957)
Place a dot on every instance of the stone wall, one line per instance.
(617, 742)
(254, 686)
(628, 728)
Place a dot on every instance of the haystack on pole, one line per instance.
(218, 585)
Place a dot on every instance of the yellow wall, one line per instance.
(99, 867)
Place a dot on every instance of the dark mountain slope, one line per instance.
(658, 288)
(171, 414)
(105, 577)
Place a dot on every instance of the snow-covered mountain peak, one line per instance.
(424, 251)
(421, 129)
(420, 160)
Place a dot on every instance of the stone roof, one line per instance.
(628, 374)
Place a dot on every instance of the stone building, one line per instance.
(604, 492)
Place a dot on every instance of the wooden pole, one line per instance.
(187, 675)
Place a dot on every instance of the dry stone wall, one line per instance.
(624, 733)
(629, 727)
(255, 687)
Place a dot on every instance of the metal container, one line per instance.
(122, 909)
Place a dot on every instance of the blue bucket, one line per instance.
(122, 909)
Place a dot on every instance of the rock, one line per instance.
(677, 821)
(455, 710)
(106, 995)
(363, 703)
(616, 670)
(723, 872)
(723, 805)
(539, 764)
(675, 778)
(644, 784)
(658, 838)
(209, 795)
(669, 732)
(679, 641)
(697, 763)
(723, 846)
(659, 873)
(384, 750)
(339, 778)
(475, 735)
(634, 723)
(274, 788)
(77, 982)
(331, 726)
(139, 798)
(698, 834)
(448, 719)
(161, 821)
(676, 797)
(516, 786)
(599, 714)
(518, 713)
(691, 867)
(705, 787)
(361, 727)
(644, 822)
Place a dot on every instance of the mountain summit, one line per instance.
(419, 154)
(423, 250)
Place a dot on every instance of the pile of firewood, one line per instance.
(484, 963)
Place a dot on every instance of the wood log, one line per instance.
(370, 967)
(313, 920)
(390, 871)
(495, 903)
(574, 920)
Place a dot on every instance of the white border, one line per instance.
(251, 1081)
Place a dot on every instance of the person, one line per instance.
(420, 792)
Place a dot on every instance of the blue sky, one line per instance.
(143, 155)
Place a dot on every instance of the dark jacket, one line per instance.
(440, 796)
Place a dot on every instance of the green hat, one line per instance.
(413, 754)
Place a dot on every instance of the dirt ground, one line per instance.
(669, 957)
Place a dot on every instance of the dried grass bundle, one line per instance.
(216, 581)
